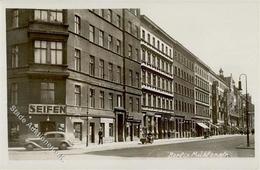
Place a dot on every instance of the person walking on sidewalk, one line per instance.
(100, 136)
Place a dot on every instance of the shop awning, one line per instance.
(203, 125)
(214, 125)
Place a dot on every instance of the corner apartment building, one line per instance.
(184, 101)
(157, 80)
(83, 65)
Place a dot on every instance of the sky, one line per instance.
(222, 34)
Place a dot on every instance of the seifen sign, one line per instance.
(46, 109)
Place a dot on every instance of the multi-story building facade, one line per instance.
(202, 115)
(157, 80)
(184, 102)
(76, 71)
(217, 87)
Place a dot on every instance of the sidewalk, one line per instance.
(137, 144)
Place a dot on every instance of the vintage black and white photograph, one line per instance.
(166, 80)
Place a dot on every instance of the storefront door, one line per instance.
(78, 130)
(120, 123)
(47, 126)
(92, 132)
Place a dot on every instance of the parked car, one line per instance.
(55, 138)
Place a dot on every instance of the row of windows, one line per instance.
(156, 81)
(43, 15)
(201, 83)
(202, 110)
(185, 91)
(111, 41)
(201, 72)
(183, 60)
(101, 70)
(109, 15)
(157, 62)
(202, 97)
(182, 74)
(183, 106)
(159, 45)
(158, 102)
(48, 15)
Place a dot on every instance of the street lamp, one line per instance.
(247, 121)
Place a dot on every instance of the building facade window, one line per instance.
(77, 24)
(77, 95)
(137, 105)
(92, 66)
(91, 33)
(102, 99)
(118, 47)
(101, 68)
(49, 15)
(130, 51)
(77, 60)
(110, 101)
(47, 52)
(137, 78)
(15, 56)
(137, 54)
(101, 38)
(109, 15)
(15, 18)
(118, 20)
(110, 42)
(92, 98)
(129, 28)
(14, 93)
(111, 130)
(118, 74)
(110, 71)
(144, 99)
(130, 77)
(47, 93)
(131, 104)
(119, 101)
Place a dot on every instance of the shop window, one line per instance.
(111, 130)
(14, 131)
(102, 126)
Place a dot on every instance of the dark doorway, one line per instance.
(92, 132)
(120, 123)
(131, 132)
(78, 130)
(47, 126)
(160, 128)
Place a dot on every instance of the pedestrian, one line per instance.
(100, 136)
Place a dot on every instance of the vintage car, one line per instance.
(55, 138)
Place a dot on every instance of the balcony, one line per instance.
(49, 29)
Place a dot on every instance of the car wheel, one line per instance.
(29, 147)
(63, 146)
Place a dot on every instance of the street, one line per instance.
(219, 147)
(224, 145)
